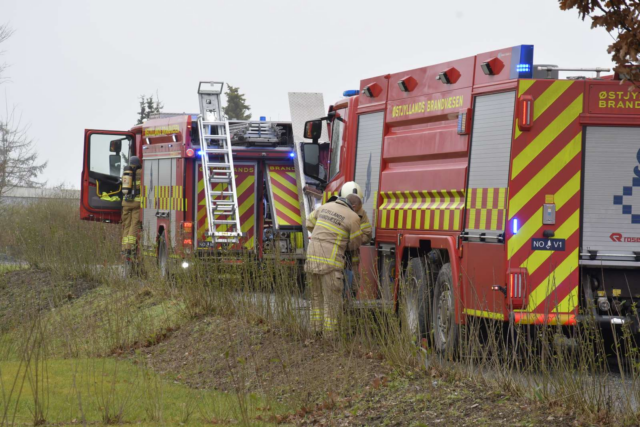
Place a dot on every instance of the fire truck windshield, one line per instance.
(337, 133)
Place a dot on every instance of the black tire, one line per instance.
(163, 257)
(415, 299)
(445, 330)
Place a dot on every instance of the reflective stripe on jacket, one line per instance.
(334, 228)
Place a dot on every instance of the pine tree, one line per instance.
(237, 108)
(148, 107)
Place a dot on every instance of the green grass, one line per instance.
(111, 390)
(5, 268)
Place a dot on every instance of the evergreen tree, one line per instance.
(148, 107)
(237, 108)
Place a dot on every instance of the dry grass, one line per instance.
(115, 316)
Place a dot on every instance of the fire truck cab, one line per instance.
(497, 190)
(173, 208)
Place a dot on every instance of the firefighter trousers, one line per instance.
(326, 302)
(130, 219)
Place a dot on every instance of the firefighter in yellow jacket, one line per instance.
(353, 257)
(131, 205)
(334, 228)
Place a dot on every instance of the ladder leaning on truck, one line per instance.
(497, 189)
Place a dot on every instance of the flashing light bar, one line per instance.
(521, 62)
(352, 92)
(263, 118)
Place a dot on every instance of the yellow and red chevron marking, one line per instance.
(284, 186)
(546, 161)
(165, 197)
(245, 186)
(421, 210)
(486, 208)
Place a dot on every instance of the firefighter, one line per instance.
(334, 228)
(353, 257)
(131, 205)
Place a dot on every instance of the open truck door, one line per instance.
(106, 154)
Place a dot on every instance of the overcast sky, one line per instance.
(83, 64)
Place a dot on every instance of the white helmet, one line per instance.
(351, 187)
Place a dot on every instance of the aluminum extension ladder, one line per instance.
(221, 196)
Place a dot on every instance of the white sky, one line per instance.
(83, 64)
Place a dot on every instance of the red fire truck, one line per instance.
(176, 212)
(497, 190)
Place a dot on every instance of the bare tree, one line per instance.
(5, 33)
(616, 16)
(19, 165)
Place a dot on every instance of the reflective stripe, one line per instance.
(332, 227)
(330, 324)
(356, 234)
(323, 260)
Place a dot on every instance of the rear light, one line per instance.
(187, 227)
(464, 122)
(525, 113)
(187, 242)
(190, 152)
(517, 287)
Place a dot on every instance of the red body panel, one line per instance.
(424, 178)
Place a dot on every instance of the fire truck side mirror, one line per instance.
(115, 146)
(311, 156)
(313, 130)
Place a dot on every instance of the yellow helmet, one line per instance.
(351, 187)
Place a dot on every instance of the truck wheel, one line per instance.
(444, 316)
(163, 257)
(415, 298)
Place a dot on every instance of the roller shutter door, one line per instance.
(368, 151)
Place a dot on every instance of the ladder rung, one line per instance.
(216, 151)
(227, 234)
(220, 180)
(218, 165)
(223, 222)
(221, 193)
(216, 136)
(213, 123)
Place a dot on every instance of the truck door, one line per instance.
(106, 154)
(486, 196)
(611, 218)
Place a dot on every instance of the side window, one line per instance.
(337, 132)
(108, 154)
(489, 164)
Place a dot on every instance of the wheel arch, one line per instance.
(446, 246)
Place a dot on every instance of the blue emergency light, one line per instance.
(352, 92)
(292, 154)
(199, 152)
(521, 62)
(514, 226)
